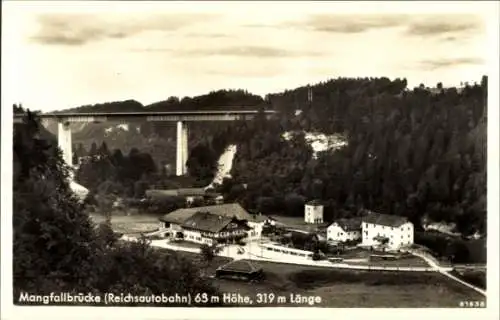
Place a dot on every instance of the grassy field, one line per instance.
(407, 262)
(348, 288)
(337, 288)
(130, 224)
(358, 253)
(474, 277)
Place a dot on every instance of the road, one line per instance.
(253, 251)
(445, 270)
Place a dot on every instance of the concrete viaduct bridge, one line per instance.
(181, 117)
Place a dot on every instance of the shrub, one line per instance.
(444, 246)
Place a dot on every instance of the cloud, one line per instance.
(253, 51)
(343, 23)
(80, 29)
(207, 35)
(441, 25)
(435, 64)
(236, 51)
(251, 72)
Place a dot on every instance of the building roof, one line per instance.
(152, 193)
(260, 217)
(178, 216)
(353, 224)
(185, 192)
(315, 202)
(384, 219)
(244, 266)
(205, 221)
(225, 210)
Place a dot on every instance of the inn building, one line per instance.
(212, 224)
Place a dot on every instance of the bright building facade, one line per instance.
(344, 230)
(394, 232)
(313, 212)
(208, 224)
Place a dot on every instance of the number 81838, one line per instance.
(472, 304)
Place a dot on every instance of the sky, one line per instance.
(59, 55)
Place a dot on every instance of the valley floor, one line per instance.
(349, 288)
(338, 287)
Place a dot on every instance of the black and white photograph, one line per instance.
(282, 158)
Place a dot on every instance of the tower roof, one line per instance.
(314, 202)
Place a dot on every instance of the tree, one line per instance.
(140, 188)
(45, 213)
(407, 151)
(103, 150)
(202, 162)
(56, 246)
(93, 149)
(208, 253)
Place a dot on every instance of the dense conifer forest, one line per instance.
(419, 152)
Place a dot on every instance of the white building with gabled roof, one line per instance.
(394, 232)
(343, 230)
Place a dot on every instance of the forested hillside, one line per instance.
(57, 248)
(413, 153)
(417, 152)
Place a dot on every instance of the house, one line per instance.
(189, 194)
(313, 212)
(257, 223)
(174, 223)
(393, 231)
(240, 269)
(204, 227)
(344, 230)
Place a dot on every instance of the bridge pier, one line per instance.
(64, 142)
(182, 148)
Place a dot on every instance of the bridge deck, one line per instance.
(198, 115)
